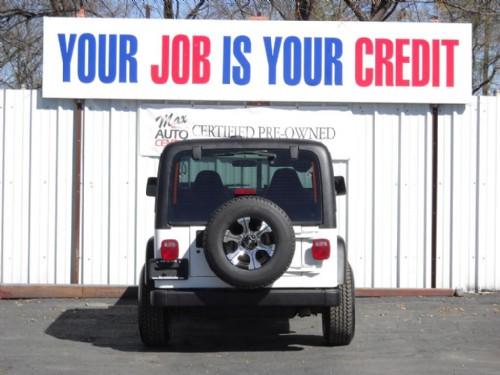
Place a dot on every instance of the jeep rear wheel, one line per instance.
(153, 320)
(249, 242)
(339, 321)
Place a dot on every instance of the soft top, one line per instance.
(196, 146)
(238, 142)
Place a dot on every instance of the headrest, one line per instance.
(207, 180)
(285, 177)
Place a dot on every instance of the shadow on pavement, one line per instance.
(115, 327)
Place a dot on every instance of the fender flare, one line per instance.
(150, 248)
(342, 259)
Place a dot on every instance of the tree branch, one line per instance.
(194, 12)
(381, 8)
(273, 5)
(168, 11)
(303, 9)
(26, 15)
(241, 8)
(490, 77)
(391, 11)
(469, 10)
(353, 4)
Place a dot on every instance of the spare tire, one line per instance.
(249, 242)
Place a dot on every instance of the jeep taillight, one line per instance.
(169, 250)
(321, 249)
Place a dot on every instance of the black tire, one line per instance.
(153, 321)
(283, 241)
(339, 321)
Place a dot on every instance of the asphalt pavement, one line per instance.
(459, 335)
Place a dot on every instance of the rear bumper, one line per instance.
(245, 298)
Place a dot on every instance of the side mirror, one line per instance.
(339, 183)
(151, 187)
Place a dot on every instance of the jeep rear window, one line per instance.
(198, 187)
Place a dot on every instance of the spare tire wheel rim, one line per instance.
(249, 243)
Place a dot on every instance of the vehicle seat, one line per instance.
(207, 181)
(287, 191)
(208, 192)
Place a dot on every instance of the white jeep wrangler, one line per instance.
(246, 223)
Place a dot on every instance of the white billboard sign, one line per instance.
(257, 60)
(161, 125)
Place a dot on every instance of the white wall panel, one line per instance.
(42, 193)
(117, 215)
(384, 151)
(146, 167)
(463, 211)
(489, 195)
(16, 199)
(341, 168)
(386, 193)
(64, 178)
(468, 220)
(122, 193)
(412, 195)
(36, 142)
(96, 174)
(360, 198)
(444, 198)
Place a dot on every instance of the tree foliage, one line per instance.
(21, 24)
(484, 15)
(21, 34)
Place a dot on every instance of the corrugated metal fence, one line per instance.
(385, 152)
